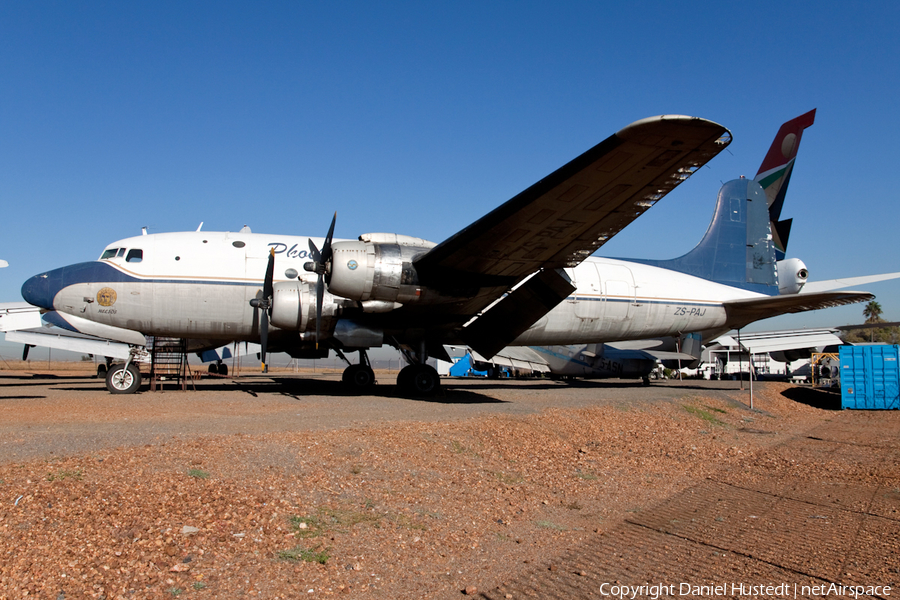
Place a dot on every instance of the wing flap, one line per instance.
(565, 217)
(511, 316)
(743, 312)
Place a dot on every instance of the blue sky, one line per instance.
(419, 117)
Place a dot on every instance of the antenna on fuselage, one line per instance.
(144, 230)
(201, 226)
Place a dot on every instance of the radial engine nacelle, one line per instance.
(792, 275)
(377, 270)
(293, 305)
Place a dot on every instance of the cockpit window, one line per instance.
(120, 253)
(135, 255)
(109, 253)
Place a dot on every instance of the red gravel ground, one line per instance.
(248, 489)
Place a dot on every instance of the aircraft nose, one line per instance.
(41, 289)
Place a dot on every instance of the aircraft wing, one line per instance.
(811, 287)
(61, 339)
(566, 216)
(19, 315)
(780, 341)
(517, 357)
(742, 312)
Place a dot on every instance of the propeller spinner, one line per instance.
(264, 305)
(321, 265)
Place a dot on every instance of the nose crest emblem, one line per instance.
(106, 297)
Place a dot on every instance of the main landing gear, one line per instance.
(218, 368)
(418, 378)
(359, 377)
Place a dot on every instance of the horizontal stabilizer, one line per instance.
(743, 312)
(811, 287)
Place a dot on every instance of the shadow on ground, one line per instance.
(823, 398)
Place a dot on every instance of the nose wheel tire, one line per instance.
(419, 380)
(358, 377)
(120, 380)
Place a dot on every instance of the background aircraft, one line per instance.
(520, 275)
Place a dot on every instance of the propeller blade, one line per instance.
(326, 247)
(320, 296)
(268, 288)
(264, 337)
(263, 305)
(322, 270)
(314, 252)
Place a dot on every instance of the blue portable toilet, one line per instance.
(870, 377)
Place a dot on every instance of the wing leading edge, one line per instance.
(566, 216)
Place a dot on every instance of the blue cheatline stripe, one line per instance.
(101, 272)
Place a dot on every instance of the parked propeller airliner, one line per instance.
(520, 275)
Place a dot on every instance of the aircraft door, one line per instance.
(619, 297)
(589, 301)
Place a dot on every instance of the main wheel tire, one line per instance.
(120, 380)
(419, 380)
(222, 369)
(212, 369)
(101, 371)
(358, 377)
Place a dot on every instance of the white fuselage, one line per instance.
(199, 285)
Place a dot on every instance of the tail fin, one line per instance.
(775, 174)
(737, 249)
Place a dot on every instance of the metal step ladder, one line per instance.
(168, 362)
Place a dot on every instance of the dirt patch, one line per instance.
(403, 500)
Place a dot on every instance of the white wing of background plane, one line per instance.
(19, 315)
